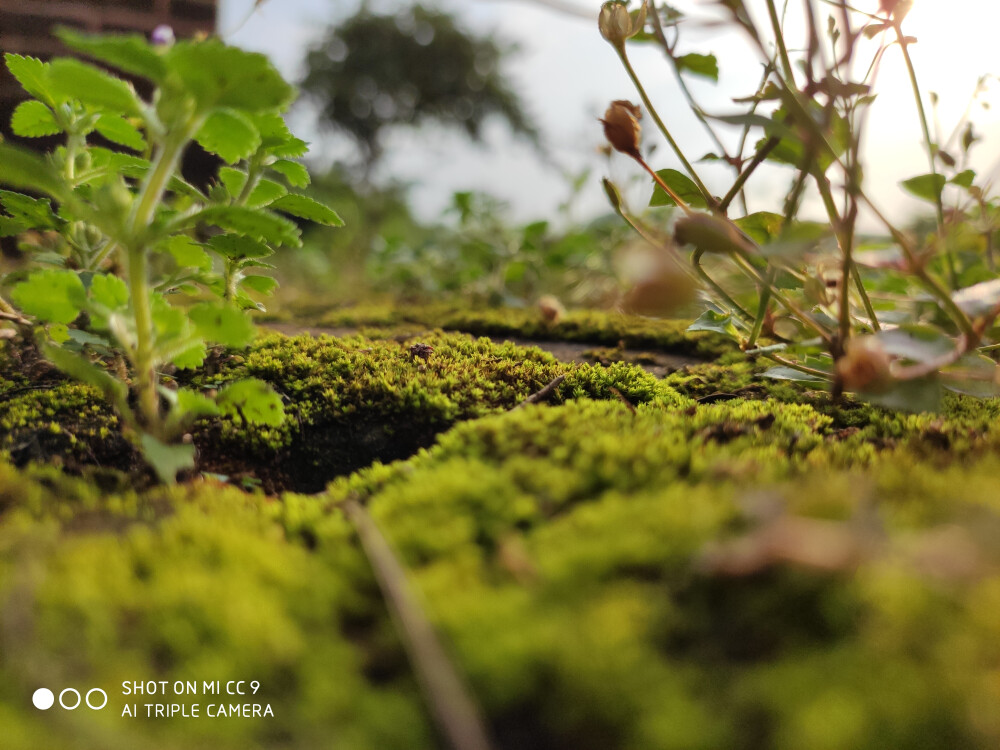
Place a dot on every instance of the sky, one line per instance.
(567, 74)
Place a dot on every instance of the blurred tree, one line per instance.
(373, 72)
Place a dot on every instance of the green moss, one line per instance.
(672, 577)
(587, 326)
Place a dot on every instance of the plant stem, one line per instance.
(796, 366)
(757, 160)
(779, 41)
(144, 210)
(911, 72)
(703, 274)
(709, 198)
(765, 302)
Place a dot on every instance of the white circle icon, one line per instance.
(97, 690)
(75, 705)
(43, 699)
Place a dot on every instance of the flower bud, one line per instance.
(616, 23)
(710, 234)
(621, 127)
(865, 366)
(162, 36)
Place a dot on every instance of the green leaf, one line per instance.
(700, 65)
(964, 178)
(307, 208)
(973, 375)
(235, 246)
(978, 299)
(265, 192)
(129, 53)
(717, 322)
(762, 226)
(920, 395)
(262, 225)
(681, 184)
(35, 213)
(194, 404)
(32, 119)
(166, 459)
(233, 179)
(277, 139)
(217, 75)
(917, 343)
(33, 75)
(11, 227)
(85, 371)
(296, 174)
(222, 324)
(22, 169)
(188, 254)
(254, 400)
(790, 373)
(51, 296)
(109, 291)
(927, 187)
(260, 284)
(76, 80)
(121, 131)
(230, 134)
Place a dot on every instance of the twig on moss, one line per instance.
(543, 394)
(451, 703)
(620, 397)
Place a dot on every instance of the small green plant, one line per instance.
(895, 317)
(137, 271)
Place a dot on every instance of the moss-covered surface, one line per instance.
(586, 326)
(713, 560)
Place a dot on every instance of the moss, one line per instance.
(738, 574)
(587, 326)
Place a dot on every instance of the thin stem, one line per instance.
(796, 366)
(709, 198)
(785, 302)
(931, 148)
(722, 294)
(757, 160)
(663, 185)
(765, 302)
(779, 40)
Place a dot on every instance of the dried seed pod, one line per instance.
(621, 127)
(865, 366)
(551, 309)
(711, 234)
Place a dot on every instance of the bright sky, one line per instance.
(567, 75)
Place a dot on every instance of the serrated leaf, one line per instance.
(254, 400)
(927, 187)
(717, 322)
(277, 139)
(129, 53)
(217, 75)
(194, 404)
(32, 119)
(681, 184)
(222, 324)
(11, 227)
(260, 284)
(22, 169)
(35, 213)
(233, 180)
(700, 65)
(109, 291)
(166, 459)
(309, 209)
(77, 80)
(51, 296)
(230, 134)
(121, 131)
(265, 193)
(262, 225)
(188, 254)
(33, 75)
(235, 246)
(296, 174)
